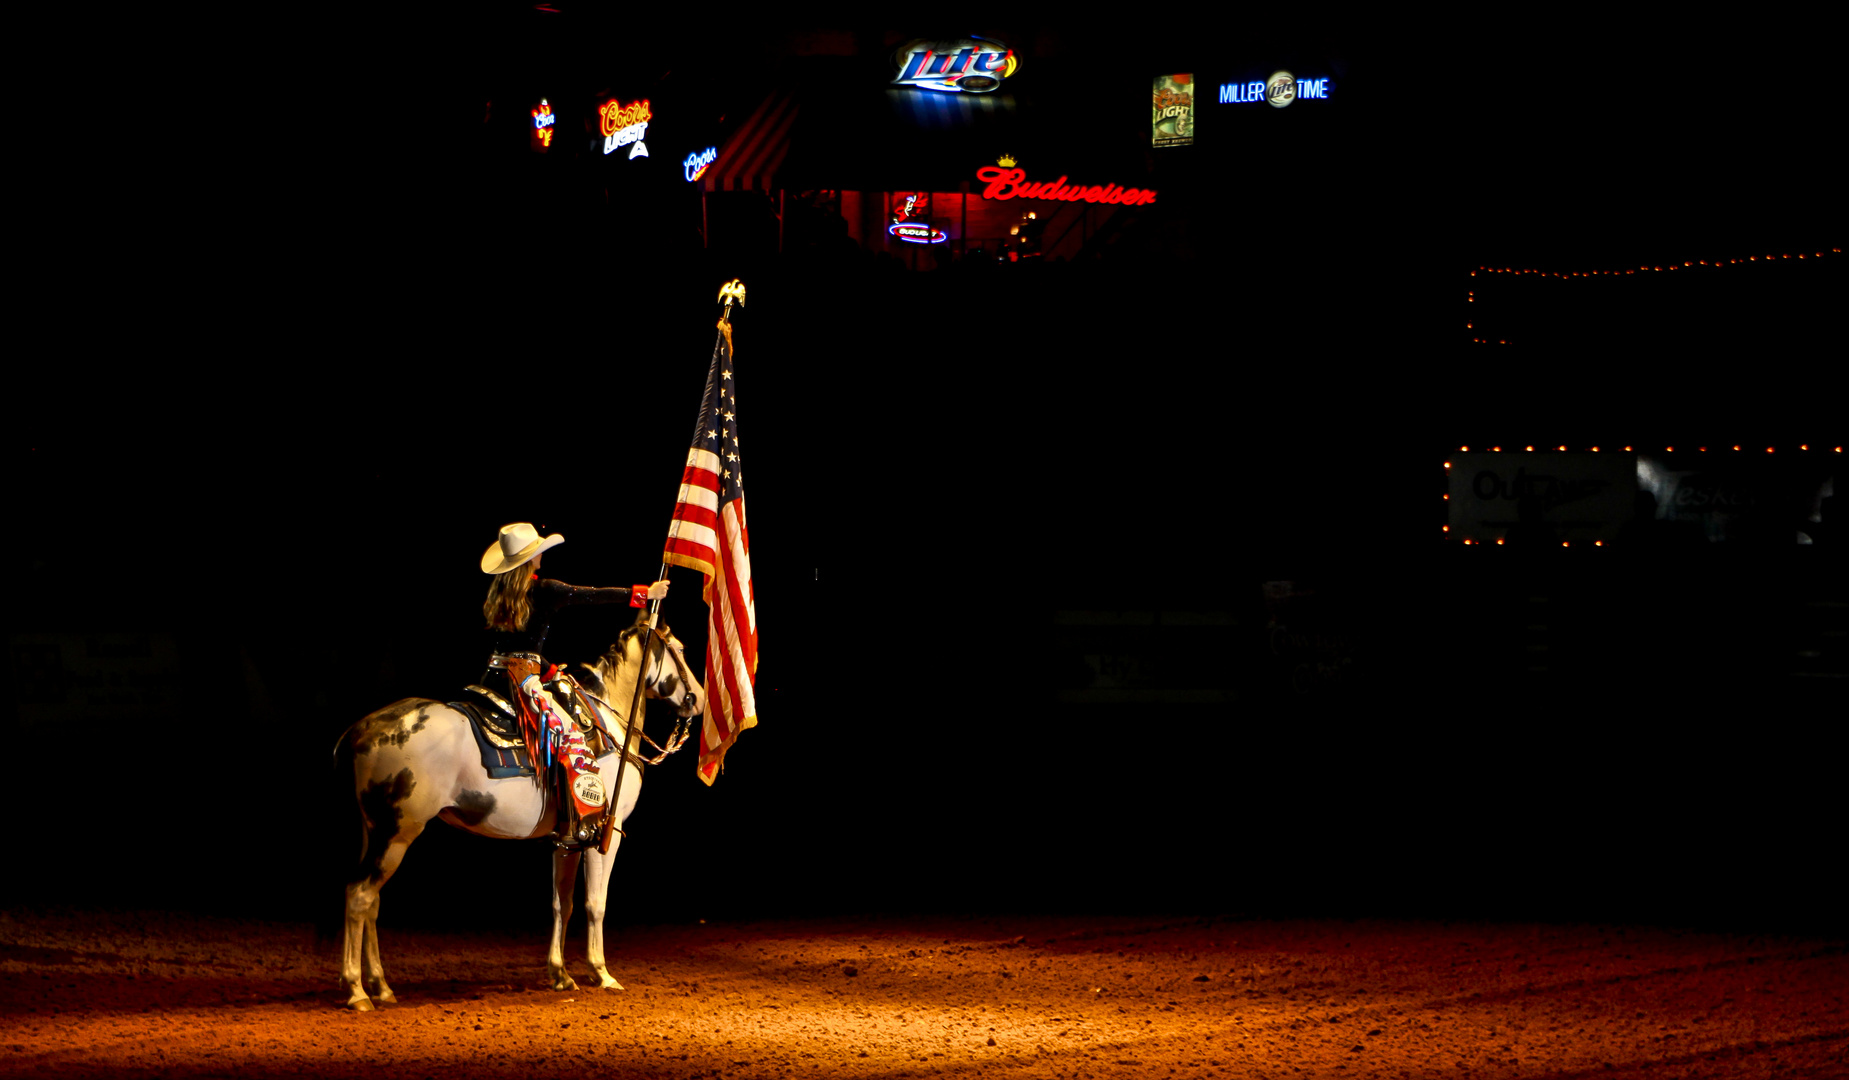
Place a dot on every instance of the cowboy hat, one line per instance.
(519, 543)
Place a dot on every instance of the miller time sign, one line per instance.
(971, 65)
(1278, 91)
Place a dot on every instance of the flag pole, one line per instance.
(730, 291)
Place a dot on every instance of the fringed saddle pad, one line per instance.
(496, 734)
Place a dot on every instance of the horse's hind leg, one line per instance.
(564, 879)
(393, 821)
(375, 968)
(360, 900)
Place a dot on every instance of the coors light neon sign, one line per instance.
(623, 125)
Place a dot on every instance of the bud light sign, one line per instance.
(971, 65)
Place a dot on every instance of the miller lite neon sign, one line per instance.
(971, 65)
(1278, 91)
(1005, 183)
(623, 125)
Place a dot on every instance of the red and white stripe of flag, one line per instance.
(715, 540)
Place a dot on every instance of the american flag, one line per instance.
(708, 534)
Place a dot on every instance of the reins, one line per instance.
(682, 728)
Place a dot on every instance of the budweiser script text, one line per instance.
(1013, 184)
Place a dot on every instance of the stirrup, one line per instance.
(581, 835)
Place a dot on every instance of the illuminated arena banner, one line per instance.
(624, 124)
(971, 65)
(1006, 183)
(695, 165)
(1278, 91)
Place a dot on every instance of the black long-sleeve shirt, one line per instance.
(548, 597)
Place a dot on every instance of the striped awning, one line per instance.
(752, 154)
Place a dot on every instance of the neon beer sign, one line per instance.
(623, 125)
(696, 163)
(1278, 91)
(1006, 183)
(971, 65)
(907, 205)
(909, 210)
(544, 125)
(917, 232)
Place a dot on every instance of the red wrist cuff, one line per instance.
(638, 596)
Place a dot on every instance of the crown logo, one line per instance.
(1006, 161)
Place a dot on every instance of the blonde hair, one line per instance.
(509, 604)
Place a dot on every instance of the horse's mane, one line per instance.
(613, 656)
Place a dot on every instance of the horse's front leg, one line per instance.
(596, 890)
(564, 876)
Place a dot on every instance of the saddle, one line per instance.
(497, 731)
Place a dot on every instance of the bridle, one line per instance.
(683, 725)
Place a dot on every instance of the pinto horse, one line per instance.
(417, 759)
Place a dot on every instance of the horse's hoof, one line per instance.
(564, 982)
(360, 1004)
(610, 984)
(385, 997)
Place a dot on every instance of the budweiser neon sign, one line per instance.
(623, 125)
(917, 232)
(1013, 184)
(971, 65)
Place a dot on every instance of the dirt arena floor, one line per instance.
(166, 995)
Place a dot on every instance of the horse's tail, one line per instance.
(337, 860)
(343, 793)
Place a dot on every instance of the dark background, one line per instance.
(332, 366)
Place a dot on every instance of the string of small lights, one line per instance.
(1687, 264)
(1529, 448)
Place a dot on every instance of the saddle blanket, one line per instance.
(497, 734)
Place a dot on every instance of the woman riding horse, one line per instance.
(520, 609)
